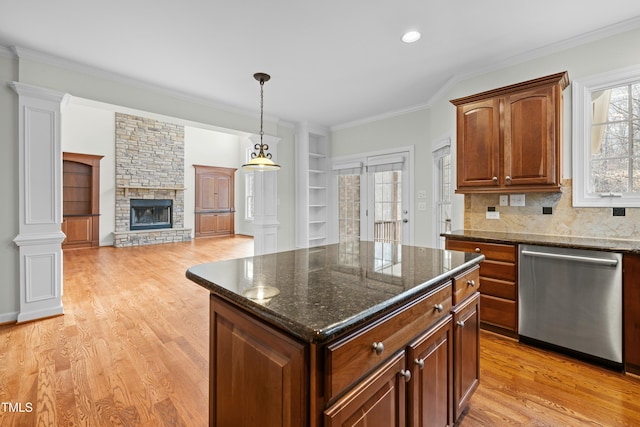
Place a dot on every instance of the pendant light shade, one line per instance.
(261, 161)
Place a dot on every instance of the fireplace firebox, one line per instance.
(150, 214)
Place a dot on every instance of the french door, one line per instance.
(374, 204)
(388, 199)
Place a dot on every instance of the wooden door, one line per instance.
(377, 401)
(531, 151)
(478, 144)
(466, 352)
(215, 211)
(257, 374)
(430, 359)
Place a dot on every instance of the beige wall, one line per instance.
(427, 126)
(9, 263)
(592, 58)
(101, 87)
(91, 130)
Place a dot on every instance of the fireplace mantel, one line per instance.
(126, 188)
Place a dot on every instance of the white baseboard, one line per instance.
(8, 317)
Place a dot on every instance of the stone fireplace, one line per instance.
(149, 182)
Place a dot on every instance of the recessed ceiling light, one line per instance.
(411, 36)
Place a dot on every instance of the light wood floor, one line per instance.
(132, 350)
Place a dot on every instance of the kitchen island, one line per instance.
(335, 334)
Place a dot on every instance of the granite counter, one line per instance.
(319, 293)
(573, 242)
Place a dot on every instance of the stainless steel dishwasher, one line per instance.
(572, 299)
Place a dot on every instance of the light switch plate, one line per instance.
(517, 199)
(493, 215)
(422, 194)
(504, 200)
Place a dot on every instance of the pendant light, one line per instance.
(261, 161)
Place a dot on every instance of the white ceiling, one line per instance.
(332, 62)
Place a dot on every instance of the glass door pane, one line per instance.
(387, 220)
(349, 219)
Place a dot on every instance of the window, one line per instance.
(606, 140)
(249, 195)
(443, 189)
(249, 189)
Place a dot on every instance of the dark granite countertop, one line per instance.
(327, 291)
(596, 243)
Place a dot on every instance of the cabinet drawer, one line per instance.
(498, 288)
(498, 312)
(352, 357)
(498, 270)
(465, 284)
(491, 251)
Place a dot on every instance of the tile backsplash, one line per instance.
(564, 220)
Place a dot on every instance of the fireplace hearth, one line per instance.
(151, 214)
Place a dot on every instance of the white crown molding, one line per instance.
(26, 89)
(5, 51)
(57, 61)
(600, 33)
(378, 117)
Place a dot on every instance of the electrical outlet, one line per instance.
(493, 215)
(517, 199)
(422, 206)
(504, 200)
(618, 211)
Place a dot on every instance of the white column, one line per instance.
(40, 202)
(265, 213)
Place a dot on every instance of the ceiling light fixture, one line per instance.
(261, 161)
(411, 36)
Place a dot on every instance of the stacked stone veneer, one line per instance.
(149, 165)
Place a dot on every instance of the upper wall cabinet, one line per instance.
(509, 139)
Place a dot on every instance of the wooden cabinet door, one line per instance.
(257, 374)
(631, 292)
(531, 149)
(466, 352)
(478, 144)
(214, 223)
(377, 401)
(430, 359)
(79, 231)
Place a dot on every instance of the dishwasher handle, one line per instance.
(599, 261)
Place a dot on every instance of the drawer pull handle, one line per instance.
(419, 362)
(438, 307)
(471, 283)
(378, 348)
(406, 374)
(495, 179)
(460, 323)
(478, 250)
(507, 179)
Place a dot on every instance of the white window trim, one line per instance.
(581, 131)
